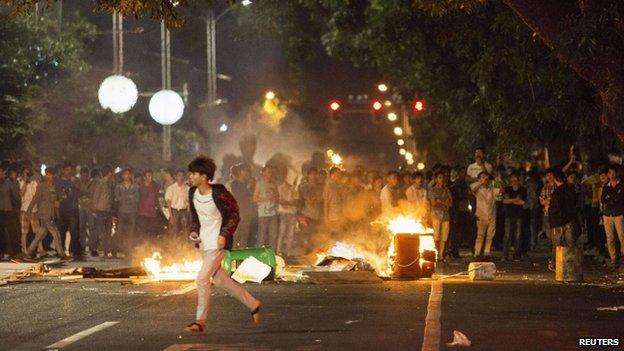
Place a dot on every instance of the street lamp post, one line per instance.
(165, 67)
(211, 65)
(117, 92)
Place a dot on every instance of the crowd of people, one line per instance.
(479, 207)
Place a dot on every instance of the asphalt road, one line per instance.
(499, 315)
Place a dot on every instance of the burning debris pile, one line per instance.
(185, 270)
(410, 252)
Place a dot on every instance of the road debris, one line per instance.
(459, 340)
(611, 309)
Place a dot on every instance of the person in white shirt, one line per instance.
(389, 200)
(417, 196)
(214, 218)
(176, 198)
(287, 211)
(485, 215)
(480, 165)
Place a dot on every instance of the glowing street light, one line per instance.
(223, 128)
(382, 87)
(410, 162)
(398, 131)
(420, 166)
(166, 107)
(330, 153)
(402, 151)
(269, 95)
(392, 116)
(388, 103)
(400, 142)
(336, 159)
(118, 93)
(409, 156)
(246, 2)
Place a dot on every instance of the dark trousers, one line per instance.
(103, 228)
(462, 231)
(10, 232)
(124, 239)
(4, 233)
(513, 232)
(69, 221)
(178, 222)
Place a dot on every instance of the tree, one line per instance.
(49, 110)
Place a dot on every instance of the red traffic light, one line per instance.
(419, 105)
(377, 105)
(334, 105)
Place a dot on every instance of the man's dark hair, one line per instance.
(107, 169)
(480, 148)
(515, 174)
(416, 175)
(95, 173)
(203, 165)
(438, 173)
(550, 170)
(614, 167)
(67, 164)
(603, 170)
(333, 170)
(559, 175)
(483, 173)
(312, 170)
(392, 173)
(148, 171)
(571, 172)
(84, 170)
(50, 170)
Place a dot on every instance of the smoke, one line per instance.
(260, 135)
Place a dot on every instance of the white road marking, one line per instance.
(431, 339)
(83, 334)
(182, 290)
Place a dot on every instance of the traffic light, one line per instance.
(377, 110)
(418, 105)
(335, 110)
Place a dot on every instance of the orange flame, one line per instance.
(187, 270)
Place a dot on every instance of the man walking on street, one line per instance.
(46, 200)
(28, 221)
(214, 217)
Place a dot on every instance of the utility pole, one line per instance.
(211, 68)
(165, 66)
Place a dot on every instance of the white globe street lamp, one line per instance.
(118, 93)
(166, 107)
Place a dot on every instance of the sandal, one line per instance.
(255, 314)
(195, 328)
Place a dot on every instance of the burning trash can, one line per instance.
(410, 259)
(412, 253)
